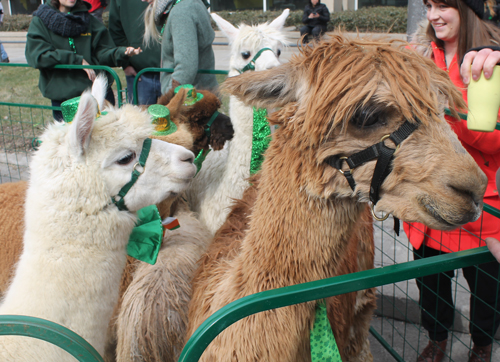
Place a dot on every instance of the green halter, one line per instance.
(251, 65)
(118, 200)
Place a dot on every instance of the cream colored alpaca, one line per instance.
(224, 174)
(338, 98)
(75, 237)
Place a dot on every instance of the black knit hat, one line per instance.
(477, 6)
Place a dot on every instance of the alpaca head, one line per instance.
(246, 41)
(343, 96)
(85, 163)
(194, 118)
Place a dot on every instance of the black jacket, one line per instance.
(321, 9)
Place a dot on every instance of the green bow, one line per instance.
(145, 241)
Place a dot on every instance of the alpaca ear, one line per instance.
(279, 22)
(175, 104)
(99, 89)
(83, 124)
(265, 89)
(229, 30)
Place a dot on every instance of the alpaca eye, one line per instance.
(278, 53)
(127, 159)
(245, 55)
(367, 117)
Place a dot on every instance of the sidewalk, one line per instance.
(15, 42)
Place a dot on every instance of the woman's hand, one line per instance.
(494, 247)
(90, 72)
(477, 61)
(131, 51)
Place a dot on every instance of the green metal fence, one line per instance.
(396, 333)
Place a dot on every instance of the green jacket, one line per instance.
(44, 49)
(126, 26)
(187, 46)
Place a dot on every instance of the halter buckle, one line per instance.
(134, 169)
(372, 209)
(386, 137)
(342, 171)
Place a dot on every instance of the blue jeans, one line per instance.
(148, 88)
(3, 53)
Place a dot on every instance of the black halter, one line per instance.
(378, 151)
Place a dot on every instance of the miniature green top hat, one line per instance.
(161, 119)
(70, 107)
(192, 95)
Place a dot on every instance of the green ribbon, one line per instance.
(145, 241)
(323, 345)
(260, 139)
(198, 161)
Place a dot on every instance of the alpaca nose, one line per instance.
(468, 194)
(187, 157)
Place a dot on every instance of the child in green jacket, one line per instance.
(65, 33)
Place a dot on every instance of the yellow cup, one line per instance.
(483, 97)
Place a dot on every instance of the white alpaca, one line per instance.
(75, 237)
(224, 174)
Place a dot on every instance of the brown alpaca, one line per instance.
(338, 98)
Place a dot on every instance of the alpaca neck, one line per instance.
(293, 236)
(71, 265)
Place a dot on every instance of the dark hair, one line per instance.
(473, 32)
(56, 3)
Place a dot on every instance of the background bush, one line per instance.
(381, 19)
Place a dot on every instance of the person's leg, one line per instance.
(305, 30)
(316, 32)
(4, 57)
(436, 302)
(148, 88)
(110, 96)
(484, 301)
(130, 85)
(58, 117)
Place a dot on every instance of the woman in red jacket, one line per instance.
(454, 27)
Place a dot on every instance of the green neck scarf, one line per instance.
(260, 139)
(323, 345)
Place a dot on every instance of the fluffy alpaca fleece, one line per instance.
(75, 238)
(223, 177)
(190, 120)
(196, 116)
(162, 291)
(304, 220)
(12, 196)
(153, 315)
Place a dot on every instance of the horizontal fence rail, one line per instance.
(16, 325)
(306, 292)
(167, 70)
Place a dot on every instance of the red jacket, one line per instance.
(96, 4)
(484, 147)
